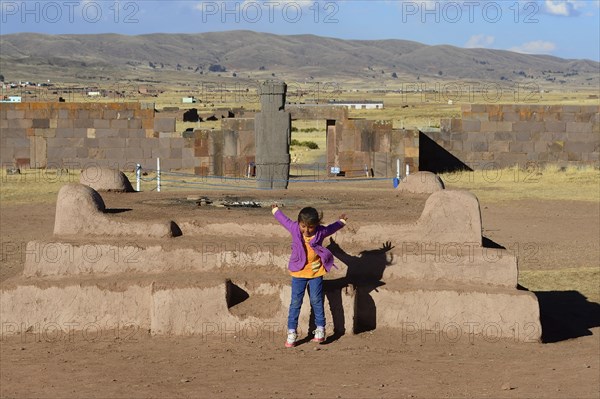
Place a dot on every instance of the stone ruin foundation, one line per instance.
(436, 277)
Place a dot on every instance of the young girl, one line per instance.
(309, 262)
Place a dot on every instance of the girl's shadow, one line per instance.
(364, 274)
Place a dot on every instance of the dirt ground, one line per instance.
(547, 235)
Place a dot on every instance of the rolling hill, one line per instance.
(252, 55)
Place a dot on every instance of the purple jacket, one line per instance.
(298, 257)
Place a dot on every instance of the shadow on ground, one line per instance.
(364, 275)
(566, 315)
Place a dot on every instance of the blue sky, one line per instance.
(564, 28)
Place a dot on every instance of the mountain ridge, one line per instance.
(253, 54)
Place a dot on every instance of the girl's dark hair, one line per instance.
(310, 216)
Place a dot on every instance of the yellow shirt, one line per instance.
(314, 266)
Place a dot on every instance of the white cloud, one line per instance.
(535, 47)
(563, 8)
(480, 41)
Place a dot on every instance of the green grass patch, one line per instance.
(308, 144)
(303, 155)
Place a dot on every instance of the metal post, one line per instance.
(158, 175)
(138, 176)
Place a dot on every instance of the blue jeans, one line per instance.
(315, 293)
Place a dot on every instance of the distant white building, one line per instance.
(359, 104)
(11, 99)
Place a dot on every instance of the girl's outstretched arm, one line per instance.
(281, 218)
(335, 226)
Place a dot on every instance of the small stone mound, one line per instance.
(451, 216)
(105, 179)
(421, 183)
(76, 204)
(80, 210)
(83, 198)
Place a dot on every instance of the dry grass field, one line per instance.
(537, 182)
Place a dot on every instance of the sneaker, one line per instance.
(291, 339)
(319, 335)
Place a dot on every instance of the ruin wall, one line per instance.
(497, 136)
(121, 135)
(356, 144)
(75, 135)
(225, 152)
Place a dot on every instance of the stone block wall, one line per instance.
(354, 144)
(225, 152)
(498, 136)
(76, 135)
(119, 135)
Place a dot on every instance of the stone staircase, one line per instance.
(430, 277)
